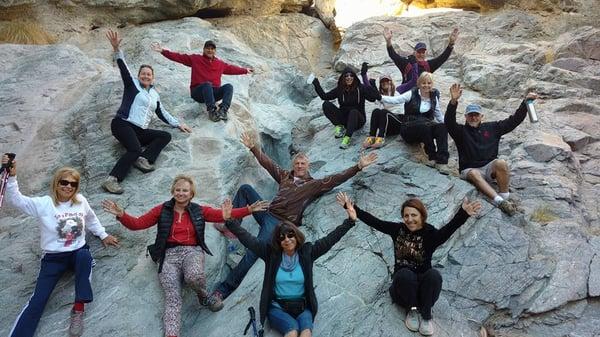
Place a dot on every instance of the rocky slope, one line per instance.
(535, 274)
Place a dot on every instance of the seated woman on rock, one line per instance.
(424, 122)
(288, 296)
(64, 216)
(384, 122)
(415, 285)
(351, 95)
(179, 247)
(130, 125)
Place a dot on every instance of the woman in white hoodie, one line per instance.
(64, 215)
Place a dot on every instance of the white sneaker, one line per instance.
(310, 78)
(426, 327)
(412, 320)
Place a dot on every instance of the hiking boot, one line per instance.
(215, 301)
(368, 142)
(379, 142)
(412, 320)
(507, 207)
(345, 143)
(222, 113)
(111, 185)
(76, 327)
(443, 169)
(213, 115)
(426, 327)
(339, 131)
(143, 165)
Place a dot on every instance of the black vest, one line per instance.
(165, 222)
(411, 108)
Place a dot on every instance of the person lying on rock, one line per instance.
(64, 216)
(130, 125)
(207, 69)
(297, 189)
(351, 95)
(179, 248)
(416, 286)
(383, 120)
(420, 53)
(287, 297)
(422, 122)
(477, 144)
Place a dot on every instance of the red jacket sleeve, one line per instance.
(216, 215)
(180, 58)
(145, 221)
(230, 69)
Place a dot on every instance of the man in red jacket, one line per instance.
(207, 69)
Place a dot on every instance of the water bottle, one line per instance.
(533, 118)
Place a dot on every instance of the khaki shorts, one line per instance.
(486, 171)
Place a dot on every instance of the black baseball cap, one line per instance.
(210, 43)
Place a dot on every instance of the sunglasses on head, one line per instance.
(289, 235)
(73, 184)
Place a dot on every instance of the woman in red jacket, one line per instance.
(179, 247)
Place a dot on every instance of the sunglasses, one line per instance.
(289, 235)
(349, 75)
(73, 184)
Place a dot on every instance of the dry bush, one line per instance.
(543, 215)
(24, 32)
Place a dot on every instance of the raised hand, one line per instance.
(532, 95)
(185, 128)
(455, 92)
(367, 160)
(472, 208)
(387, 35)
(113, 38)
(247, 140)
(251, 70)
(259, 206)
(226, 208)
(112, 208)
(13, 169)
(453, 36)
(156, 46)
(364, 67)
(345, 201)
(110, 241)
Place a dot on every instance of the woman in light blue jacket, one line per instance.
(130, 125)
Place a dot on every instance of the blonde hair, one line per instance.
(424, 76)
(59, 175)
(184, 178)
(300, 155)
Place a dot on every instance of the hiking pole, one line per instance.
(4, 174)
(252, 322)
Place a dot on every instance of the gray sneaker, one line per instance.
(213, 115)
(76, 327)
(412, 320)
(111, 185)
(426, 327)
(143, 165)
(215, 301)
(507, 207)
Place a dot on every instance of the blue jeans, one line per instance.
(53, 267)
(284, 322)
(246, 195)
(206, 93)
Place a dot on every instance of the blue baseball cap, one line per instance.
(420, 45)
(473, 108)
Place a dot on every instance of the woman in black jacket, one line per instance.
(416, 285)
(288, 296)
(351, 95)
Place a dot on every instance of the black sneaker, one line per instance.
(213, 115)
(222, 113)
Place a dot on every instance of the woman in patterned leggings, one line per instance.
(179, 247)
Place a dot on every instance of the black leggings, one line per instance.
(351, 119)
(133, 138)
(410, 289)
(385, 123)
(427, 133)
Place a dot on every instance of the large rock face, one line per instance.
(535, 274)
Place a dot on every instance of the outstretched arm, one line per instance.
(467, 209)
(437, 62)
(323, 245)
(386, 227)
(115, 42)
(399, 61)
(507, 125)
(27, 205)
(450, 118)
(274, 170)
(259, 248)
(414, 76)
(326, 96)
(330, 182)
